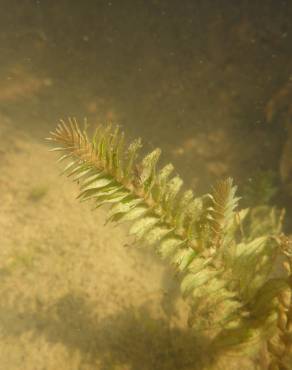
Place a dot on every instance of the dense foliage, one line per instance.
(234, 265)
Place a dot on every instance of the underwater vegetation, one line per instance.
(234, 265)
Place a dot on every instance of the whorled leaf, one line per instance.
(223, 259)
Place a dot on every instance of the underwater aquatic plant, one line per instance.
(226, 262)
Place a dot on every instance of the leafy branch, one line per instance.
(227, 269)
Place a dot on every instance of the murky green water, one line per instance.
(208, 82)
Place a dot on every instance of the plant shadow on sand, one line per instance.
(131, 338)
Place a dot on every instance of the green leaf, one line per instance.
(148, 172)
(186, 258)
(124, 207)
(161, 181)
(193, 281)
(100, 182)
(109, 198)
(156, 234)
(90, 179)
(134, 213)
(131, 157)
(69, 166)
(171, 190)
(140, 227)
(80, 171)
(58, 149)
(96, 192)
(63, 157)
(168, 246)
(182, 207)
